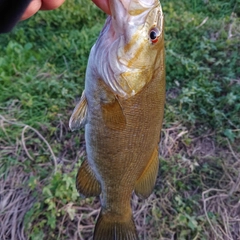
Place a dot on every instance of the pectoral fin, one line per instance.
(79, 116)
(112, 111)
(113, 115)
(146, 182)
(86, 182)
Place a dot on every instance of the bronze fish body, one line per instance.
(122, 110)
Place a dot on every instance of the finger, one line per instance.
(32, 8)
(51, 4)
(103, 4)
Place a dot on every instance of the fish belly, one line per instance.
(118, 156)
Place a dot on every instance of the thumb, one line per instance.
(32, 8)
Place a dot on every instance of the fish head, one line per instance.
(133, 40)
(139, 25)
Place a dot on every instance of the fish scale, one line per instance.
(122, 111)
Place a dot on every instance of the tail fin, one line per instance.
(112, 227)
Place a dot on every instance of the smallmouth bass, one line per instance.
(122, 110)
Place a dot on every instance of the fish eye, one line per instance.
(154, 34)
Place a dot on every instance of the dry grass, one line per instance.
(15, 200)
(156, 217)
(220, 196)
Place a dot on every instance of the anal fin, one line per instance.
(79, 115)
(145, 184)
(86, 182)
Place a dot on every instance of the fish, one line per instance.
(122, 110)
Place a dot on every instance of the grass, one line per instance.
(42, 67)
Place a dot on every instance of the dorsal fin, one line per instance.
(79, 115)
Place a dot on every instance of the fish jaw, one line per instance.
(131, 22)
(125, 55)
(122, 9)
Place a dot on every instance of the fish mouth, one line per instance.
(133, 12)
(131, 6)
(132, 22)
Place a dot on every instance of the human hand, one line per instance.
(37, 5)
(104, 5)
